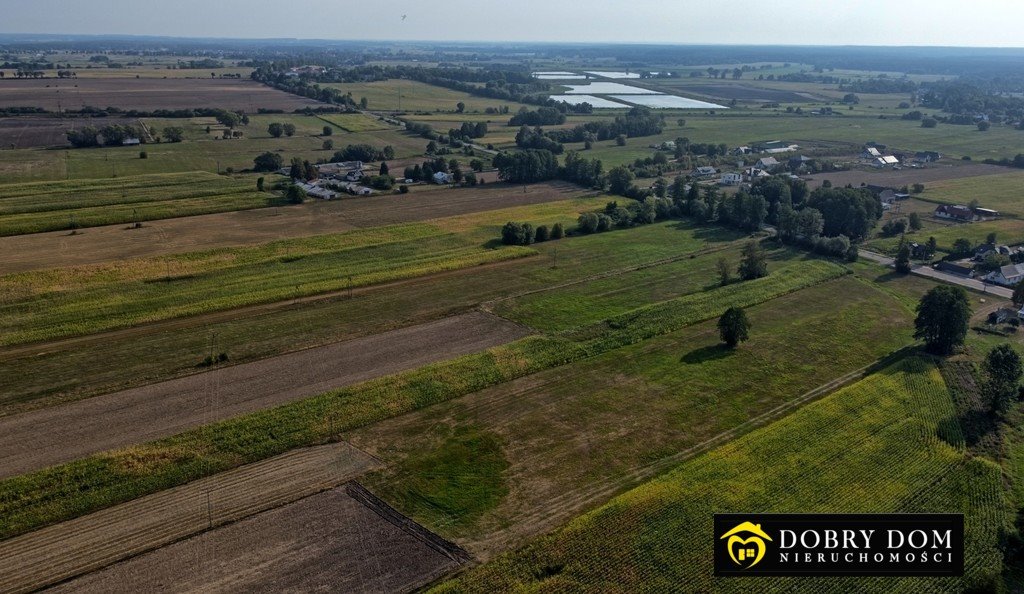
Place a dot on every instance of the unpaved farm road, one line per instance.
(41, 438)
(68, 549)
(96, 245)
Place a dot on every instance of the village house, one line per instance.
(799, 162)
(754, 174)
(927, 156)
(442, 178)
(1007, 276)
(704, 172)
(1003, 315)
(986, 214)
(731, 179)
(956, 212)
(766, 163)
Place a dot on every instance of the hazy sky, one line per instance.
(800, 22)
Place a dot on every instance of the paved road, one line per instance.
(929, 272)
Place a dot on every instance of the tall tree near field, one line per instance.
(1002, 368)
(903, 259)
(942, 318)
(724, 271)
(753, 263)
(619, 179)
(734, 327)
(1018, 294)
(460, 107)
(384, 168)
(275, 130)
(289, 129)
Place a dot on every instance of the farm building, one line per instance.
(317, 191)
(131, 142)
(871, 153)
(886, 161)
(731, 179)
(798, 162)
(956, 212)
(1003, 315)
(1007, 276)
(927, 156)
(988, 248)
(773, 147)
(766, 163)
(442, 178)
(986, 214)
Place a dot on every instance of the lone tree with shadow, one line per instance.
(942, 318)
(734, 327)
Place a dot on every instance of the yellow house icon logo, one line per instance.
(746, 551)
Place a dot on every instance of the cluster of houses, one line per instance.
(333, 179)
(1007, 276)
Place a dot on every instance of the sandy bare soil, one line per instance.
(906, 177)
(147, 94)
(50, 436)
(68, 549)
(329, 542)
(115, 242)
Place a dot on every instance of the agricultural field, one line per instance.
(416, 96)
(52, 206)
(1002, 192)
(35, 132)
(355, 122)
(46, 305)
(853, 132)
(147, 94)
(151, 353)
(691, 388)
(882, 444)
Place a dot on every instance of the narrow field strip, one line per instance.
(53, 206)
(66, 550)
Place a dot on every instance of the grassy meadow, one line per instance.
(416, 96)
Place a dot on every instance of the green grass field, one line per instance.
(416, 96)
(626, 410)
(355, 122)
(999, 192)
(883, 444)
(53, 206)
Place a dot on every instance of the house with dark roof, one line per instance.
(766, 163)
(927, 156)
(704, 172)
(955, 212)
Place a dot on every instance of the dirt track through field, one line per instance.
(71, 548)
(117, 242)
(327, 542)
(50, 436)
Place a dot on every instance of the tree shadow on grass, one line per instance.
(708, 353)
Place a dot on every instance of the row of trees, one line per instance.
(111, 135)
(514, 233)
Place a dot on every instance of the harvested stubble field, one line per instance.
(315, 217)
(59, 303)
(147, 94)
(34, 132)
(58, 493)
(355, 122)
(45, 437)
(50, 206)
(883, 444)
(619, 417)
(410, 95)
